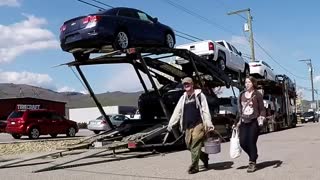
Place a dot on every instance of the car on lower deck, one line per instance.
(116, 28)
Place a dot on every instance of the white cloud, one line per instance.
(11, 3)
(66, 89)
(126, 81)
(25, 78)
(316, 79)
(27, 35)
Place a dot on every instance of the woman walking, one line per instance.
(252, 111)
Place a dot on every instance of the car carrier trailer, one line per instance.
(282, 112)
(148, 61)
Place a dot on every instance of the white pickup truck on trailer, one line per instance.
(222, 53)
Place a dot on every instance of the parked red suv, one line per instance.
(34, 123)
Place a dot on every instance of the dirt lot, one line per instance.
(288, 154)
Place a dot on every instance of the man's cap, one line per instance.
(187, 80)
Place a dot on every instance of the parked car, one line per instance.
(34, 123)
(100, 124)
(222, 53)
(120, 28)
(262, 70)
(309, 117)
(130, 126)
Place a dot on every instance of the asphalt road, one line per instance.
(6, 138)
(289, 154)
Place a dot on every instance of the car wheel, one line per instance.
(265, 75)
(53, 135)
(34, 133)
(71, 132)
(169, 40)
(222, 64)
(16, 136)
(96, 132)
(79, 56)
(122, 40)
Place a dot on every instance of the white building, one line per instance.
(84, 115)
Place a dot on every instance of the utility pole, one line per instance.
(309, 63)
(249, 21)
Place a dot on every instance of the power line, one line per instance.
(185, 38)
(268, 54)
(99, 2)
(226, 8)
(90, 4)
(188, 35)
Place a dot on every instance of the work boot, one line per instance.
(193, 170)
(252, 167)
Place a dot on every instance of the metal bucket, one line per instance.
(212, 146)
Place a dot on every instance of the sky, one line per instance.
(30, 49)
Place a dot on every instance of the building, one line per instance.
(84, 115)
(7, 105)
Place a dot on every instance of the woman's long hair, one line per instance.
(254, 82)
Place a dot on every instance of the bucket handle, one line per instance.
(220, 136)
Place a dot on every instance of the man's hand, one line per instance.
(211, 129)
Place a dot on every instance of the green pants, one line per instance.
(194, 141)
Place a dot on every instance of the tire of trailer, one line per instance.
(122, 40)
(96, 132)
(169, 40)
(79, 56)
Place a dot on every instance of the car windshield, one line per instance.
(308, 114)
(101, 117)
(16, 114)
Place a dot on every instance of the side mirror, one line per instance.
(155, 20)
(240, 53)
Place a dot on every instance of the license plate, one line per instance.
(13, 122)
(73, 38)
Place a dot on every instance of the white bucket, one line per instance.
(212, 146)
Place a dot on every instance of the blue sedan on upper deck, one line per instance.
(119, 27)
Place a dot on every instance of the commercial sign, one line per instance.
(27, 106)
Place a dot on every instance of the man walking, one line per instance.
(193, 115)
